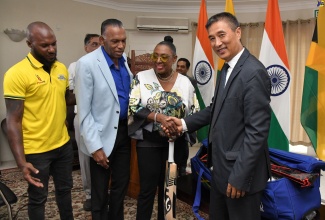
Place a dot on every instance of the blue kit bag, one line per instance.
(283, 198)
(202, 174)
(286, 199)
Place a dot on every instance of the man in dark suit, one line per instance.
(239, 118)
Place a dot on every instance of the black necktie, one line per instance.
(224, 75)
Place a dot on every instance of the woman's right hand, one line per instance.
(167, 125)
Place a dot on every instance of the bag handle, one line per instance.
(197, 199)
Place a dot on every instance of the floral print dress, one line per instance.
(147, 95)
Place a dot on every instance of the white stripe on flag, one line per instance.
(280, 104)
(207, 89)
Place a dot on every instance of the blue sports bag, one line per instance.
(201, 174)
(284, 198)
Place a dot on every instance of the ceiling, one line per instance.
(192, 6)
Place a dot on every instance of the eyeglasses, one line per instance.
(163, 57)
(93, 44)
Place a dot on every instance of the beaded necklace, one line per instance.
(167, 79)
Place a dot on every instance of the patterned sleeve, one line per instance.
(193, 102)
(137, 114)
(135, 97)
(196, 106)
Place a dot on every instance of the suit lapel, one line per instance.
(106, 72)
(216, 92)
(219, 100)
(236, 70)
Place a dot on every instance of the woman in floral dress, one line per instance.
(156, 94)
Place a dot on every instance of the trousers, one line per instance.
(84, 161)
(58, 164)
(118, 174)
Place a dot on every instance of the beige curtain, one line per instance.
(298, 36)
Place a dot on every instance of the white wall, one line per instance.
(71, 20)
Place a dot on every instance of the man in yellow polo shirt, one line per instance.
(36, 94)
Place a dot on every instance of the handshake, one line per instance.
(172, 127)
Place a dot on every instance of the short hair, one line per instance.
(226, 16)
(88, 38)
(110, 22)
(187, 62)
(36, 24)
(168, 41)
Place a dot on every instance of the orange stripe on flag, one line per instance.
(202, 33)
(274, 29)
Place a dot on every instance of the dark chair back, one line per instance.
(7, 197)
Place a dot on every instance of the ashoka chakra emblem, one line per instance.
(202, 72)
(280, 79)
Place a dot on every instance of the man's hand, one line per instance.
(100, 157)
(169, 125)
(27, 169)
(173, 132)
(70, 98)
(232, 192)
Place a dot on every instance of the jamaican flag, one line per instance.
(313, 97)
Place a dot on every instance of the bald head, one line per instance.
(42, 42)
(38, 27)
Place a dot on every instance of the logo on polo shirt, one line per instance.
(39, 80)
(61, 77)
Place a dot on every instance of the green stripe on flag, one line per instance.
(309, 104)
(277, 139)
(202, 133)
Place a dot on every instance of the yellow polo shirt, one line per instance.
(44, 116)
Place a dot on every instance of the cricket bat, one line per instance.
(170, 185)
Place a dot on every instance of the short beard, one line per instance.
(47, 64)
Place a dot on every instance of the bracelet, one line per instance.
(155, 117)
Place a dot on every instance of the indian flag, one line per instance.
(274, 57)
(313, 97)
(228, 8)
(203, 70)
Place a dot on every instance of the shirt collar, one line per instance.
(35, 63)
(234, 60)
(109, 60)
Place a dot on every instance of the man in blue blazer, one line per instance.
(239, 119)
(102, 92)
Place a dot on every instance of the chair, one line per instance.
(7, 197)
(140, 62)
(137, 64)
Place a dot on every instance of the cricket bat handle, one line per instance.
(170, 185)
(171, 152)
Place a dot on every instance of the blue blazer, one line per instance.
(97, 103)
